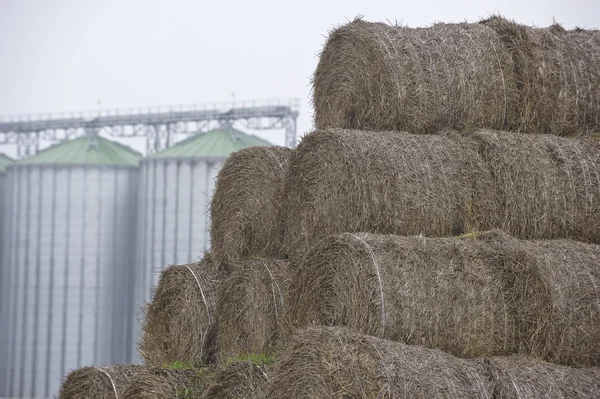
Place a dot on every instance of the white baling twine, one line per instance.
(273, 290)
(378, 278)
(202, 293)
(112, 382)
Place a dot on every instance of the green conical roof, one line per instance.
(83, 151)
(5, 160)
(219, 143)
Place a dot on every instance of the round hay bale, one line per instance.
(445, 293)
(549, 187)
(557, 75)
(492, 295)
(179, 322)
(559, 310)
(245, 207)
(99, 382)
(374, 76)
(250, 307)
(385, 182)
(519, 377)
(246, 380)
(166, 384)
(325, 362)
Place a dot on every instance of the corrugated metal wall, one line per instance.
(70, 249)
(4, 282)
(173, 219)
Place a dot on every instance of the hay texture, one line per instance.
(519, 377)
(245, 207)
(325, 362)
(385, 182)
(557, 73)
(559, 291)
(246, 380)
(374, 76)
(180, 321)
(166, 384)
(250, 311)
(471, 297)
(99, 382)
(548, 187)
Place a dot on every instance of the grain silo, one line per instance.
(176, 185)
(4, 162)
(69, 262)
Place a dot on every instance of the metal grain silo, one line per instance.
(176, 185)
(69, 261)
(4, 162)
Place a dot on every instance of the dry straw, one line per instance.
(245, 207)
(250, 309)
(557, 75)
(549, 187)
(385, 182)
(166, 384)
(375, 76)
(236, 380)
(493, 295)
(519, 377)
(180, 320)
(325, 362)
(99, 382)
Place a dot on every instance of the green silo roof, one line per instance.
(5, 160)
(81, 151)
(218, 143)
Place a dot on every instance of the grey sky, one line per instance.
(65, 55)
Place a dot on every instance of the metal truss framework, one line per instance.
(158, 125)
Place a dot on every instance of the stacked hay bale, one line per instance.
(485, 296)
(98, 382)
(167, 384)
(493, 75)
(532, 187)
(242, 379)
(245, 208)
(250, 313)
(180, 321)
(328, 362)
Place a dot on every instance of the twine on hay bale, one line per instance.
(326, 362)
(385, 182)
(250, 312)
(557, 75)
(245, 379)
(98, 382)
(166, 384)
(180, 320)
(520, 377)
(374, 76)
(471, 297)
(245, 207)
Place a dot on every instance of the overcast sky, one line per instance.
(66, 55)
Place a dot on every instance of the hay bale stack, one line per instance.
(245, 207)
(437, 292)
(180, 322)
(385, 182)
(549, 187)
(373, 76)
(246, 380)
(166, 384)
(484, 296)
(519, 377)
(557, 75)
(325, 362)
(251, 306)
(99, 382)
